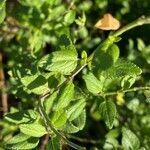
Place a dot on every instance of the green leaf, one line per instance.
(92, 83)
(114, 51)
(54, 144)
(121, 69)
(105, 55)
(111, 144)
(19, 117)
(70, 17)
(18, 138)
(63, 61)
(34, 129)
(127, 81)
(48, 103)
(27, 144)
(59, 118)
(36, 41)
(75, 109)
(56, 12)
(147, 95)
(84, 57)
(140, 44)
(108, 112)
(101, 61)
(129, 140)
(65, 95)
(2, 10)
(35, 83)
(33, 3)
(75, 125)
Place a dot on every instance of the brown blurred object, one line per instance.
(108, 22)
(4, 97)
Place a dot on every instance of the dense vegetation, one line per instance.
(65, 84)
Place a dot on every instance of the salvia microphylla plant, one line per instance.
(60, 101)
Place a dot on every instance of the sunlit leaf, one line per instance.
(130, 140)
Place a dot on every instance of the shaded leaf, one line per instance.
(35, 83)
(108, 112)
(54, 144)
(19, 117)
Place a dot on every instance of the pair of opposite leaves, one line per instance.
(108, 22)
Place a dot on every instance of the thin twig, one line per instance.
(4, 96)
(140, 21)
(83, 140)
(124, 91)
(48, 93)
(44, 142)
(49, 126)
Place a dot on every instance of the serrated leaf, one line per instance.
(59, 118)
(34, 129)
(129, 140)
(76, 108)
(18, 138)
(63, 61)
(70, 17)
(121, 69)
(108, 112)
(54, 144)
(35, 83)
(92, 83)
(2, 10)
(65, 95)
(19, 117)
(30, 143)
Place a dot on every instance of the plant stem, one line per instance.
(125, 91)
(4, 96)
(50, 127)
(83, 140)
(140, 21)
(48, 93)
